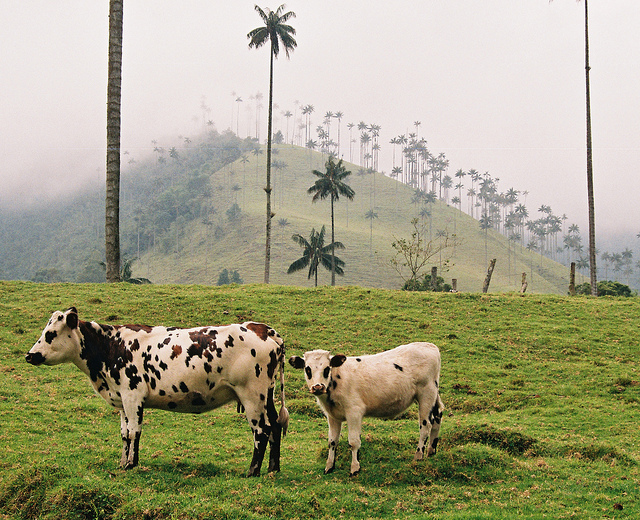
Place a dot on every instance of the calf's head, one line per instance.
(57, 343)
(317, 365)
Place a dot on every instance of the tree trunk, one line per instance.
(454, 285)
(487, 280)
(434, 278)
(267, 253)
(592, 217)
(112, 207)
(524, 285)
(572, 279)
(333, 248)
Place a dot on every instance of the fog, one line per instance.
(497, 86)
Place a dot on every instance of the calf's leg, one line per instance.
(354, 423)
(430, 414)
(335, 426)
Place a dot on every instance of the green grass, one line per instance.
(199, 256)
(542, 397)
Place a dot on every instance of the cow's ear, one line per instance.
(337, 360)
(72, 318)
(296, 362)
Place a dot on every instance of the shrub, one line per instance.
(606, 288)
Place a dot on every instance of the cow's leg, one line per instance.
(335, 426)
(130, 429)
(257, 417)
(275, 437)
(354, 423)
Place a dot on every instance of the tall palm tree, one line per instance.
(276, 32)
(592, 218)
(315, 253)
(330, 183)
(112, 207)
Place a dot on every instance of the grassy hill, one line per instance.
(198, 250)
(541, 392)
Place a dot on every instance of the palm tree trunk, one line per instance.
(112, 202)
(592, 218)
(267, 254)
(333, 248)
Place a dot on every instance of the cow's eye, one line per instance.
(307, 371)
(326, 372)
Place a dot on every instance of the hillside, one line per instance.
(189, 212)
(197, 251)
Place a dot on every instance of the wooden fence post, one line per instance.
(487, 280)
(454, 285)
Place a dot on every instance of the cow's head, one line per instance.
(57, 344)
(317, 366)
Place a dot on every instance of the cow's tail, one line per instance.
(283, 416)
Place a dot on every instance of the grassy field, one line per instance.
(541, 392)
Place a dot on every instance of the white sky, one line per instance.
(497, 85)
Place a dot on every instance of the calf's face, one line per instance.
(56, 344)
(317, 365)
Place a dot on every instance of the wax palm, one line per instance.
(112, 213)
(315, 253)
(276, 32)
(331, 184)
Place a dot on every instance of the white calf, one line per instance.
(380, 385)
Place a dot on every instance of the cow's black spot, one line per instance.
(162, 392)
(229, 342)
(424, 422)
(272, 365)
(50, 336)
(219, 370)
(198, 400)
(253, 352)
(184, 387)
(398, 367)
(435, 416)
(174, 388)
(163, 366)
(262, 397)
(211, 385)
(258, 369)
(307, 371)
(131, 371)
(140, 413)
(207, 368)
(326, 371)
(172, 405)
(358, 359)
(152, 383)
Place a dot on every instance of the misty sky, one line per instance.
(497, 86)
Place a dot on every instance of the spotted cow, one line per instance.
(192, 370)
(380, 385)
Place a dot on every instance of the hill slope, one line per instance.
(197, 251)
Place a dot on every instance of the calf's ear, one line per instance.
(337, 360)
(296, 362)
(72, 318)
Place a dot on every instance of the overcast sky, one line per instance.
(497, 85)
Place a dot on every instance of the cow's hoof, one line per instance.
(355, 473)
(329, 470)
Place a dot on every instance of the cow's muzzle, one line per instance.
(318, 389)
(35, 359)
